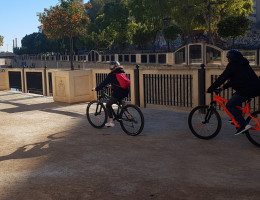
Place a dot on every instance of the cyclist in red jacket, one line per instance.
(242, 78)
(118, 93)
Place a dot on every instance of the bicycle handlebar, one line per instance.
(218, 90)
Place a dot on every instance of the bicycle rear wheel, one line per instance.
(253, 135)
(131, 120)
(96, 114)
(204, 123)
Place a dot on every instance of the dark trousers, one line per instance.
(109, 104)
(232, 104)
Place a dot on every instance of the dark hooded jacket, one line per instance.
(240, 76)
(117, 91)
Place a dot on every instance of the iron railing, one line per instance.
(168, 89)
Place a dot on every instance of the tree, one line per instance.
(171, 33)
(150, 13)
(233, 26)
(205, 14)
(141, 37)
(97, 8)
(69, 19)
(35, 43)
(117, 23)
(186, 22)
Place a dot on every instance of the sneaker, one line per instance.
(243, 129)
(110, 124)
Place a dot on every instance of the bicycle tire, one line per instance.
(253, 135)
(201, 129)
(96, 119)
(131, 120)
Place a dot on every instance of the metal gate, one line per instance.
(34, 82)
(50, 83)
(15, 81)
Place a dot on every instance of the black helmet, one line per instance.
(231, 53)
(114, 64)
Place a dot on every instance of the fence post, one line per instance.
(137, 85)
(23, 80)
(45, 92)
(201, 85)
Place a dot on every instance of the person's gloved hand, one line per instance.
(209, 91)
(93, 89)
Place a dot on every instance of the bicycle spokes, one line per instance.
(256, 123)
(131, 120)
(96, 114)
(128, 117)
(204, 122)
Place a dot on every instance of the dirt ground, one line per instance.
(49, 151)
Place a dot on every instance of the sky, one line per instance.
(18, 18)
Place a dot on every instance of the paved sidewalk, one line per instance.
(49, 151)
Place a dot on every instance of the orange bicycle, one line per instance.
(205, 122)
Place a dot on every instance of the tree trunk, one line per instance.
(71, 53)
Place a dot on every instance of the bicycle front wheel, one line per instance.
(131, 120)
(96, 114)
(254, 135)
(204, 123)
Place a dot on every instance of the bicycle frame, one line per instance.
(116, 114)
(103, 98)
(245, 110)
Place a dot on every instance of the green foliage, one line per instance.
(141, 37)
(150, 13)
(116, 19)
(171, 33)
(117, 24)
(233, 26)
(69, 19)
(113, 27)
(97, 8)
(205, 14)
(37, 43)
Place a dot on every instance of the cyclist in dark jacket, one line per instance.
(242, 78)
(118, 93)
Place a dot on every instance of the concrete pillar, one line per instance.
(138, 58)
(169, 59)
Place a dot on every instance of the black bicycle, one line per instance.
(129, 116)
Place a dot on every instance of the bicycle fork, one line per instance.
(98, 109)
(208, 115)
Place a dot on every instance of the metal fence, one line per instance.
(171, 90)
